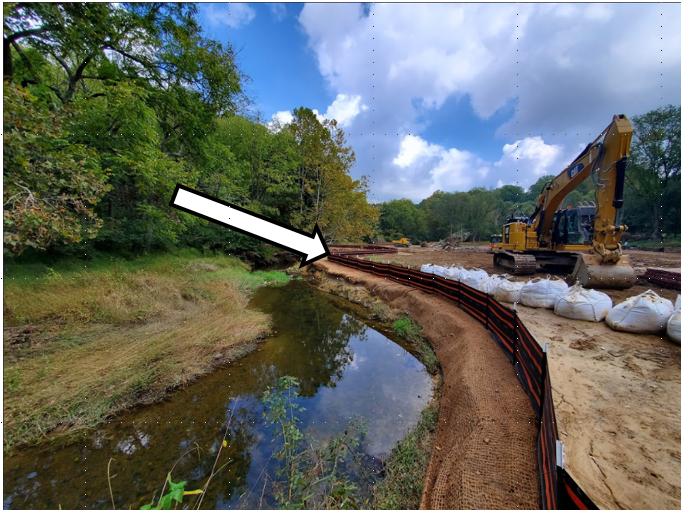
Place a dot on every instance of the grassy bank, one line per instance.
(411, 331)
(84, 340)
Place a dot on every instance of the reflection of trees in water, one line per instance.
(312, 345)
(143, 455)
(241, 437)
(319, 333)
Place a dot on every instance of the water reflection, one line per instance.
(345, 368)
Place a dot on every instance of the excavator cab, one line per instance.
(573, 226)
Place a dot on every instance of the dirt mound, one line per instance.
(485, 453)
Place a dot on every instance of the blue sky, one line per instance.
(452, 96)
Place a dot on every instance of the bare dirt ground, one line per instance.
(472, 257)
(617, 395)
(485, 454)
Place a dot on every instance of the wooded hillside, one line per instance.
(108, 107)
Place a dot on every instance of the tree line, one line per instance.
(108, 107)
(652, 206)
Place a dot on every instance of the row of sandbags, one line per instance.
(648, 313)
(471, 277)
(645, 313)
(537, 293)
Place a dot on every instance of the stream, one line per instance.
(345, 366)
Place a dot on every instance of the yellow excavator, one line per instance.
(403, 242)
(583, 241)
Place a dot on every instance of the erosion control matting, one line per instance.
(485, 454)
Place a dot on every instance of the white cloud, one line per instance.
(278, 10)
(232, 15)
(420, 168)
(533, 57)
(344, 108)
(532, 154)
(278, 120)
(413, 149)
(445, 169)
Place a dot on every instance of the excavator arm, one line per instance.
(604, 161)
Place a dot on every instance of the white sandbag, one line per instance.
(490, 285)
(438, 270)
(674, 323)
(645, 313)
(454, 273)
(474, 277)
(583, 304)
(427, 268)
(542, 292)
(508, 291)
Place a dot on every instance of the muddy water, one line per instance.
(345, 368)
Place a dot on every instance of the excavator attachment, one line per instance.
(591, 273)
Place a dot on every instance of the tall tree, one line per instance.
(401, 218)
(654, 173)
(323, 182)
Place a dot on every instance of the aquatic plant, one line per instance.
(310, 478)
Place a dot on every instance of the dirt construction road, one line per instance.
(617, 395)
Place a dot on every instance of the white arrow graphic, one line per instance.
(312, 247)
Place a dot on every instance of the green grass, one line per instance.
(410, 330)
(402, 486)
(141, 326)
(672, 241)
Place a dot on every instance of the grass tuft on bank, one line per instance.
(84, 340)
(411, 331)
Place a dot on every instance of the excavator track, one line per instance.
(515, 263)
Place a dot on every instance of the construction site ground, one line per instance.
(617, 395)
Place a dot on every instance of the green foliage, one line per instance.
(653, 183)
(328, 196)
(51, 186)
(407, 328)
(309, 478)
(175, 493)
(108, 107)
(402, 218)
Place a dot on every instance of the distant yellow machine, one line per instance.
(583, 241)
(495, 243)
(402, 242)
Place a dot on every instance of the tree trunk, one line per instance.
(657, 235)
(7, 68)
(148, 238)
